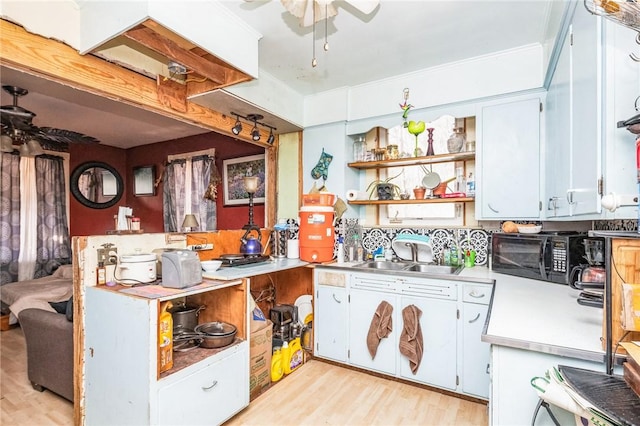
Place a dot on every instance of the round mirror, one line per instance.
(96, 185)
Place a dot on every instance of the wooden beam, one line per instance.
(168, 48)
(58, 62)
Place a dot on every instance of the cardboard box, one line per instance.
(260, 359)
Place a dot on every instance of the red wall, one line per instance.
(86, 221)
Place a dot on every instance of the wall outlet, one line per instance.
(108, 256)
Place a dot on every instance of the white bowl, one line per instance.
(529, 229)
(211, 265)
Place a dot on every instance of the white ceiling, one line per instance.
(397, 37)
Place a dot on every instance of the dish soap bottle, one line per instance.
(165, 337)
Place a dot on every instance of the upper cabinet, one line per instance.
(509, 159)
(572, 154)
(594, 86)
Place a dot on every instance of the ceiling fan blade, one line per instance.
(364, 6)
(17, 122)
(64, 136)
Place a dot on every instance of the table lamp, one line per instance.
(190, 222)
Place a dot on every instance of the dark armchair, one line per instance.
(49, 338)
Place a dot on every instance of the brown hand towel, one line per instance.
(411, 343)
(380, 327)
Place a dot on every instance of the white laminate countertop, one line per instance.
(541, 316)
(253, 269)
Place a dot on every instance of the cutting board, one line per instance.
(625, 255)
(631, 374)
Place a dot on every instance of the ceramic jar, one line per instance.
(456, 141)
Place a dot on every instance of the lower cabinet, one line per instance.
(208, 396)
(438, 325)
(331, 304)
(475, 353)
(362, 310)
(453, 314)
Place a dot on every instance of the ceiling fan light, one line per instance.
(35, 148)
(24, 150)
(6, 143)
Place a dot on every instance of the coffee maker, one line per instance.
(285, 322)
(590, 277)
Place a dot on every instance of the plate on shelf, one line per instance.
(529, 229)
(305, 307)
(425, 253)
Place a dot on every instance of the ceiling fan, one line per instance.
(307, 10)
(17, 123)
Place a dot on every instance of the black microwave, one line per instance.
(548, 256)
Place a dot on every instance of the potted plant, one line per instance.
(384, 189)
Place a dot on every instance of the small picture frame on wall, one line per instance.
(233, 172)
(143, 181)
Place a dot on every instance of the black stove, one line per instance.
(229, 260)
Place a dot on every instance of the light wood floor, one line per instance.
(317, 394)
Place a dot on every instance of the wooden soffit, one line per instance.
(56, 61)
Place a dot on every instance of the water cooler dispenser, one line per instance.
(317, 232)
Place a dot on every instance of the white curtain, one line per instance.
(28, 219)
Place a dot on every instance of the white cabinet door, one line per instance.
(509, 164)
(438, 325)
(475, 353)
(330, 322)
(585, 162)
(558, 136)
(209, 396)
(362, 308)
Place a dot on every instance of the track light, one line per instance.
(237, 128)
(255, 131)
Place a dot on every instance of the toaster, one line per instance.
(181, 269)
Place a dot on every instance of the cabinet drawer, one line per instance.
(336, 279)
(208, 396)
(477, 293)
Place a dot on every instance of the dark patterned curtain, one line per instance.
(9, 216)
(54, 247)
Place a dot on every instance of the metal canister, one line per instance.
(279, 243)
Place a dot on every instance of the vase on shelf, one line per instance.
(456, 141)
(415, 128)
(430, 142)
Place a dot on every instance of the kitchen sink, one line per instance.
(427, 268)
(384, 264)
(434, 269)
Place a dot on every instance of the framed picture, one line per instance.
(233, 172)
(144, 178)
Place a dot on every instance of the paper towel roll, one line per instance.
(354, 194)
(293, 249)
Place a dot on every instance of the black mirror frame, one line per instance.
(75, 177)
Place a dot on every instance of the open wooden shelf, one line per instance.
(414, 161)
(413, 201)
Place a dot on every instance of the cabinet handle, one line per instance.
(570, 198)
(475, 319)
(213, 385)
(335, 298)
(476, 295)
(488, 368)
(492, 209)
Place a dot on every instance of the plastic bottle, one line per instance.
(101, 273)
(340, 255)
(295, 354)
(165, 337)
(453, 260)
(471, 186)
(277, 369)
(286, 357)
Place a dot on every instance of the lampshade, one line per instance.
(35, 148)
(190, 221)
(251, 184)
(6, 143)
